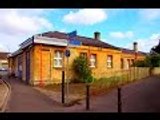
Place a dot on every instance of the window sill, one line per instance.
(92, 67)
(58, 67)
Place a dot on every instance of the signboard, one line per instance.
(67, 53)
(72, 34)
(72, 38)
(75, 42)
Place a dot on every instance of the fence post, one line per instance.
(63, 87)
(119, 100)
(127, 75)
(130, 72)
(138, 73)
(134, 73)
(87, 97)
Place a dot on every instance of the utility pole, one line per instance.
(70, 40)
(67, 70)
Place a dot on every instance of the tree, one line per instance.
(155, 60)
(82, 69)
(152, 60)
(155, 49)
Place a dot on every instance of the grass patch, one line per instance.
(103, 85)
(74, 88)
(99, 86)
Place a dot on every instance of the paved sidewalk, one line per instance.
(25, 98)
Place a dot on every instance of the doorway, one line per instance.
(46, 66)
(27, 67)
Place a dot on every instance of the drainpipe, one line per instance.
(41, 66)
(135, 47)
(41, 82)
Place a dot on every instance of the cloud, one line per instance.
(16, 25)
(2, 48)
(20, 22)
(62, 30)
(150, 14)
(146, 44)
(86, 16)
(10, 43)
(121, 35)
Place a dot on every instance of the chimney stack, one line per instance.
(135, 46)
(97, 35)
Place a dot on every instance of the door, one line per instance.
(27, 67)
(20, 67)
(46, 67)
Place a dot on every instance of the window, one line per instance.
(132, 62)
(128, 63)
(109, 61)
(93, 60)
(20, 63)
(83, 54)
(58, 58)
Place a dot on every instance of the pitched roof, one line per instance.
(85, 40)
(128, 51)
(4, 55)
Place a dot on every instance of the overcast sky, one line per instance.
(120, 27)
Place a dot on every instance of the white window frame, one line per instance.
(93, 60)
(110, 61)
(58, 56)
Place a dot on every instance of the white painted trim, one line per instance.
(50, 41)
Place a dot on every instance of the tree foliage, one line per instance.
(156, 49)
(149, 61)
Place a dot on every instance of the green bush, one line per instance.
(141, 63)
(82, 70)
(149, 61)
(155, 60)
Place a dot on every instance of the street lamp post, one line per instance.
(67, 70)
